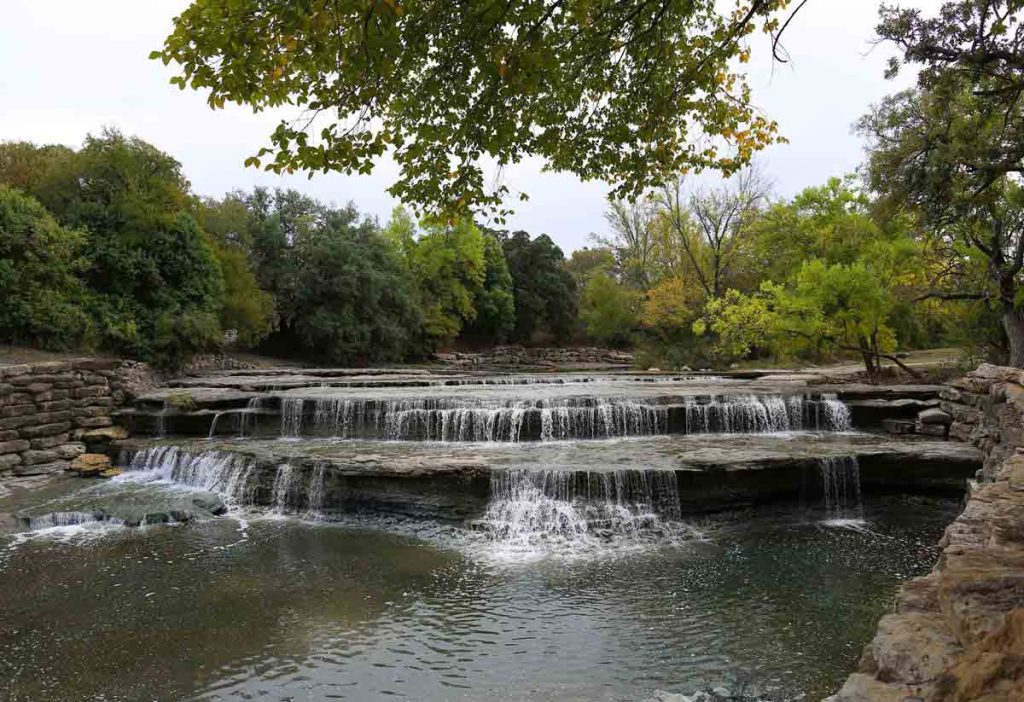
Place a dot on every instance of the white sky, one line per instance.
(71, 67)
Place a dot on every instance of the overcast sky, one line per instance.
(71, 67)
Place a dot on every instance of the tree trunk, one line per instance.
(1013, 324)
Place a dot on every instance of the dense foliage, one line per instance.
(619, 90)
(153, 283)
(105, 246)
(39, 266)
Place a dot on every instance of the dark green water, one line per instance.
(279, 609)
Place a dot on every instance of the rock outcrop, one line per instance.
(957, 634)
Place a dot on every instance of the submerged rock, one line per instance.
(130, 508)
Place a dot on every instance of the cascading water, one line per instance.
(457, 419)
(533, 508)
(281, 497)
(227, 474)
(315, 490)
(245, 421)
(766, 413)
(840, 479)
(291, 416)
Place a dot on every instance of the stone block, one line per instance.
(16, 446)
(17, 410)
(15, 422)
(8, 435)
(14, 371)
(40, 468)
(52, 417)
(9, 460)
(93, 422)
(105, 402)
(31, 458)
(45, 430)
(89, 391)
(934, 416)
(91, 463)
(16, 398)
(47, 442)
(84, 412)
(914, 647)
(70, 451)
(932, 429)
(55, 405)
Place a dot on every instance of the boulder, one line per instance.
(99, 440)
(91, 463)
(934, 416)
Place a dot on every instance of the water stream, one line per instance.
(570, 570)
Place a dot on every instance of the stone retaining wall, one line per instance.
(48, 409)
(957, 634)
(540, 356)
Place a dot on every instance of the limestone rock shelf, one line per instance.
(452, 481)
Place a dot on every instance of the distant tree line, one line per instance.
(106, 247)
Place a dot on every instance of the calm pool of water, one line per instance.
(281, 609)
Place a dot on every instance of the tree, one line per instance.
(711, 227)
(609, 310)
(351, 300)
(450, 268)
(828, 308)
(586, 261)
(155, 284)
(495, 302)
(620, 91)
(632, 240)
(953, 148)
(545, 292)
(671, 307)
(246, 309)
(43, 299)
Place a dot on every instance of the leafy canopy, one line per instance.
(39, 262)
(623, 91)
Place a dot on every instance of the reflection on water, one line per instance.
(279, 608)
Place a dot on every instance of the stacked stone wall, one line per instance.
(957, 634)
(48, 409)
(537, 356)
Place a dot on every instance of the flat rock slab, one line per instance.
(706, 453)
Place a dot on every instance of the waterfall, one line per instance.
(281, 493)
(161, 420)
(601, 419)
(291, 416)
(840, 479)
(315, 490)
(459, 419)
(765, 413)
(213, 425)
(66, 519)
(228, 474)
(531, 507)
(244, 422)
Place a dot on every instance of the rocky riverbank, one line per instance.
(957, 634)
